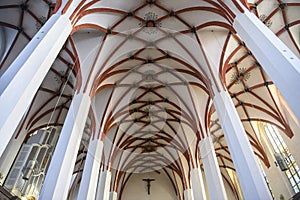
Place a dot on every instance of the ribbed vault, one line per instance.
(156, 59)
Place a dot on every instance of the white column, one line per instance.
(104, 185)
(197, 184)
(212, 172)
(279, 62)
(113, 195)
(88, 185)
(20, 82)
(62, 164)
(252, 182)
(188, 194)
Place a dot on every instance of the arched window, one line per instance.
(27, 175)
(284, 158)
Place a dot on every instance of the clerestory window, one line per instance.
(284, 158)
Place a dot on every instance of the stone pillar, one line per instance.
(113, 195)
(197, 184)
(88, 185)
(279, 62)
(61, 167)
(252, 182)
(20, 82)
(212, 172)
(188, 194)
(104, 185)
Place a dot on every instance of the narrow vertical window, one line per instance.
(30, 167)
(284, 158)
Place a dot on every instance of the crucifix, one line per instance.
(148, 180)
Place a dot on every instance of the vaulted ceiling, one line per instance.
(153, 60)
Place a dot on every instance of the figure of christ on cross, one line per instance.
(148, 180)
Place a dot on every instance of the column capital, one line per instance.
(113, 195)
(188, 194)
(206, 146)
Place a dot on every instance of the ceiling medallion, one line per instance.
(216, 139)
(149, 76)
(263, 18)
(62, 77)
(40, 23)
(149, 147)
(148, 110)
(240, 76)
(149, 24)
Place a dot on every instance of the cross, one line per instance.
(148, 180)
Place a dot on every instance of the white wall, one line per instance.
(161, 188)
